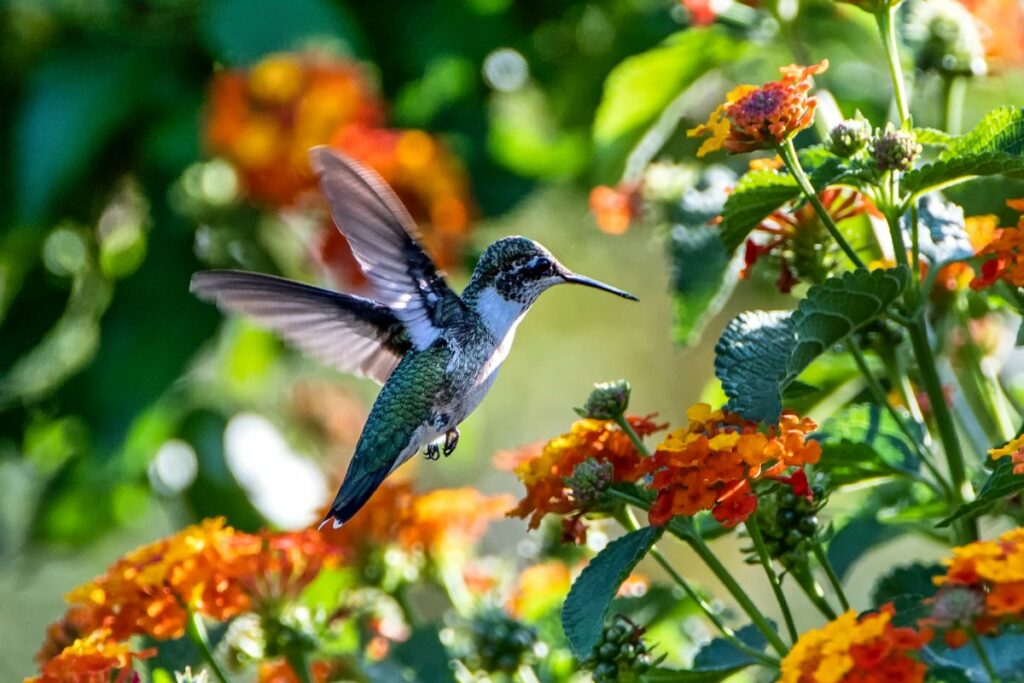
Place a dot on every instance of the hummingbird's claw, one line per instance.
(433, 451)
(451, 440)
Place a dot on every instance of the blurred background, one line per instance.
(145, 140)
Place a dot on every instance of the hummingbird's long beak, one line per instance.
(569, 276)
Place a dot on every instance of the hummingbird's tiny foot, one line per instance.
(451, 440)
(433, 451)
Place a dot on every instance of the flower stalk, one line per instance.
(196, 631)
(885, 18)
(766, 562)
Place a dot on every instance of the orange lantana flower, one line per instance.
(761, 117)
(1014, 450)
(91, 659)
(544, 474)
(849, 649)
(710, 464)
(1005, 255)
(615, 208)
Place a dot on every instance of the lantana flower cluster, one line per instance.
(852, 649)
(1014, 450)
(1004, 255)
(764, 117)
(711, 463)
(982, 589)
(265, 119)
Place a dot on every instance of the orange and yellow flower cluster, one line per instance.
(869, 649)
(988, 577)
(710, 464)
(1013, 450)
(265, 119)
(763, 117)
(91, 659)
(208, 569)
(1004, 255)
(544, 474)
(432, 522)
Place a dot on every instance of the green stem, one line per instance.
(944, 420)
(766, 562)
(736, 591)
(299, 664)
(837, 585)
(814, 593)
(788, 153)
(526, 674)
(196, 631)
(879, 393)
(719, 570)
(629, 522)
(953, 112)
(986, 663)
(624, 425)
(885, 17)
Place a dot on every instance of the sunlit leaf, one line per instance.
(941, 232)
(588, 600)
(864, 441)
(756, 195)
(1000, 484)
(750, 362)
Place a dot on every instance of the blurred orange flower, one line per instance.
(431, 522)
(91, 659)
(279, 671)
(1002, 24)
(540, 588)
(1014, 450)
(615, 208)
(1005, 254)
(265, 119)
(544, 474)
(992, 569)
(849, 649)
(710, 464)
(980, 231)
(761, 117)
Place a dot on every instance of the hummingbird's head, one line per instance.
(517, 270)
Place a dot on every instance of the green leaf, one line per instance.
(424, 653)
(1000, 484)
(839, 307)
(1006, 652)
(593, 590)
(750, 362)
(716, 661)
(912, 580)
(757, 194)
(934, 136)
(862, 442)
(703, 277)
(73, 104)
(994, 146)
(855, 538)
(640, 87)
(240, 32)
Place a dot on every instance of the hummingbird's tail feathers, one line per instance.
(347, 332)
(354, 493)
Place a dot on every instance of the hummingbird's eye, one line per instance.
(537, 267)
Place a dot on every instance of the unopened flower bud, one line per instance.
(957, 606)
(589, 480)
(849, 137)
(501, 643)
(895, 150)
(620, 653)
(607, 401)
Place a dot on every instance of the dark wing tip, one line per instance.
(320, 156)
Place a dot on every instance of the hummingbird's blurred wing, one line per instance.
(385, 241)
(350, 333)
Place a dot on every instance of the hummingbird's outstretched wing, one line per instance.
(347, 332)
(385, 241)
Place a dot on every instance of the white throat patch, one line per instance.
(500, 315)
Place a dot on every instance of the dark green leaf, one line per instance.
(702, 279)
(839, 307)
(593, 590)
(240, 32)
(73, 104)
(912, 580)
(756, 195)
(424, 654)
(864, 441)
(1000, 484)
(1006, 652)
(716, 661)
(855, 538)
(798, 389)
(946, 674)
(750, 362)
(640, 87)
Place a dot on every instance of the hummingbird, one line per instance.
(435, 352)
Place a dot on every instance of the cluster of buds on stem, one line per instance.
(895, 150)
(620, 653)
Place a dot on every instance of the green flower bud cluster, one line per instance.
(895, 150)
(589, 480)
(620, 653)
(850, 136)
(944, 37)
(789, 524)
(607, 401)
(501, 643)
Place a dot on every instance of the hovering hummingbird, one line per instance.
(435, 352)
